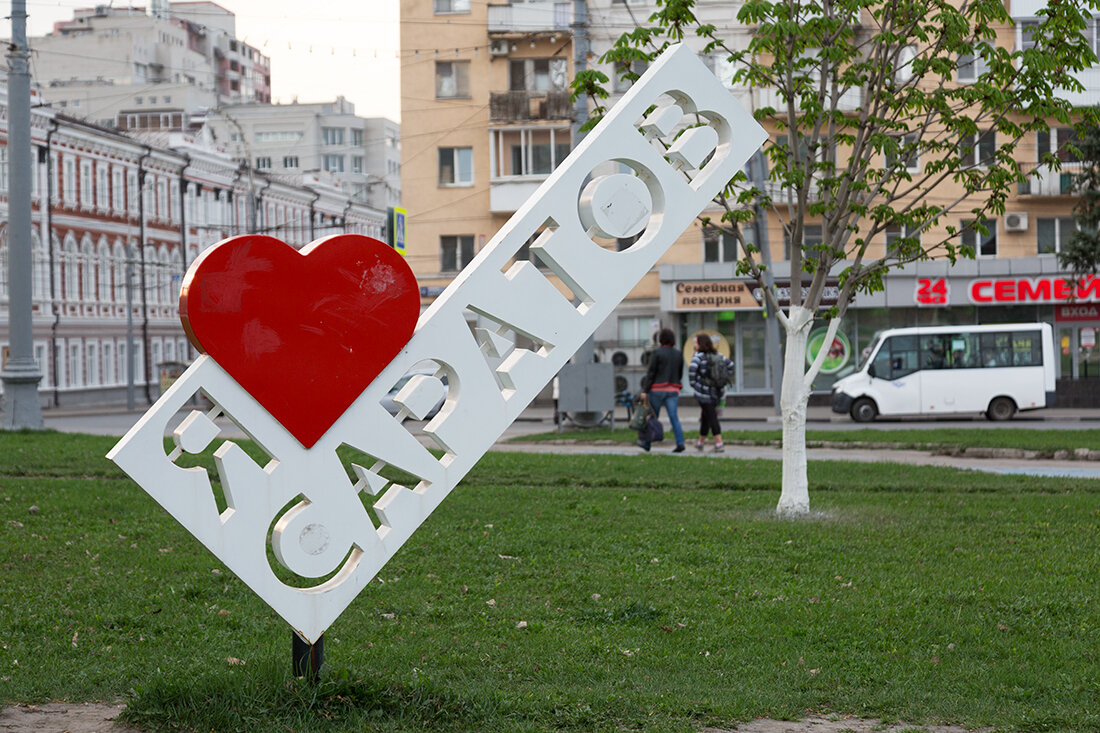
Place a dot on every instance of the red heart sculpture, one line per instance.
(302, 332)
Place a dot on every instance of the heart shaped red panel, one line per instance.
(302, 332)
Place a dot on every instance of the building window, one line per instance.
(263, 163)
(978, 149)
(635, 70)
(456, 252)
(357, 137)
(290, 161)
(1027, 28)
(357, 164)
(537, 75)
(333, 163)
(452, 79)
(1054, 234)
(1062, 141)
(452, 6)
(971, 66)
(132, 191)
(332, 136)
(812, 235)
(895, 232)
(68, 182)
(277, 136)
(984, 245)
(86, 183)
(718, 246)
(541, 162)
(102, 189)
(456, 166)
(635, 330)
(75, 370)
(118, 193)
(908, 153)
(3, 169)
(721, 66)
(93, 366)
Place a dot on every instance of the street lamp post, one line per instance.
(20, 373)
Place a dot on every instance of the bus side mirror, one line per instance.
(871, 369)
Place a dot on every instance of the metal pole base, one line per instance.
(307, 658)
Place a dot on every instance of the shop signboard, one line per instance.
(829, 296)
(1043, 289)
(1078, 312)
(712, 295)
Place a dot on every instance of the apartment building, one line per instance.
(485, 121)
(117, 218)
(360, 155)
(138, 70)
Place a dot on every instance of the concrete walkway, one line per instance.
(539, 419)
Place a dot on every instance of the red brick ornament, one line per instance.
(304, 332)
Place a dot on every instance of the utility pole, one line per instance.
(20, 374)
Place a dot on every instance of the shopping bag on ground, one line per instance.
(654, 432)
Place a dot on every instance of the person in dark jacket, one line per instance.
(707, 393)
(661, 385)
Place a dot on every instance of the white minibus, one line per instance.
(936, 370)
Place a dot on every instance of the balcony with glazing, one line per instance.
(530, 17)
(520, 158)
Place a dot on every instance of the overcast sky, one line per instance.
(318, 50)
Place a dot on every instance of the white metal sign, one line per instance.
(328, 534)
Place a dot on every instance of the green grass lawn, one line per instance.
(1046, 441)
(581, 593)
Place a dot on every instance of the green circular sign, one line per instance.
(838, 353)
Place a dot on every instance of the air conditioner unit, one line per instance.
(1015, 222)
(498, 47)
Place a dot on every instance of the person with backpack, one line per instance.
(708, 374)
(661, 385)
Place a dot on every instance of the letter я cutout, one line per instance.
(304, 332)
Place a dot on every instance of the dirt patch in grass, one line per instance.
(817, 724)
(63, 717)
(60, 717)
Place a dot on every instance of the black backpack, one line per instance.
(718, 372)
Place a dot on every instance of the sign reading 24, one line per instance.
(932, 291)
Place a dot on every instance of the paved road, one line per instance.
(538, 420)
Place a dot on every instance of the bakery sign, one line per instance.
(714, 295)
(1013, 290)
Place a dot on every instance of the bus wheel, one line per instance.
(1001, 408)
(864, 410)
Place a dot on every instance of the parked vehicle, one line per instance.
(994, 369)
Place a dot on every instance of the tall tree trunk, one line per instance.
(794, 499)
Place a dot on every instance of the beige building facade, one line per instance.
(484, 121)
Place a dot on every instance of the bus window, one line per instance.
(996, 349)
(897, 358)
(962, 350)
(932, 352)
(1027, 348)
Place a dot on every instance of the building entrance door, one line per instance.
(1078, 346)
(751, 361)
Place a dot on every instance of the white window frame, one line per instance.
(461, 168)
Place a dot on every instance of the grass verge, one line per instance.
(584, 593)
(1047, 442)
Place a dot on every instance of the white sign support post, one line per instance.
(663, 181)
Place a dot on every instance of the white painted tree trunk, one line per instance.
(794, 498)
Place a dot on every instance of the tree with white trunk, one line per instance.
(897, 128)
